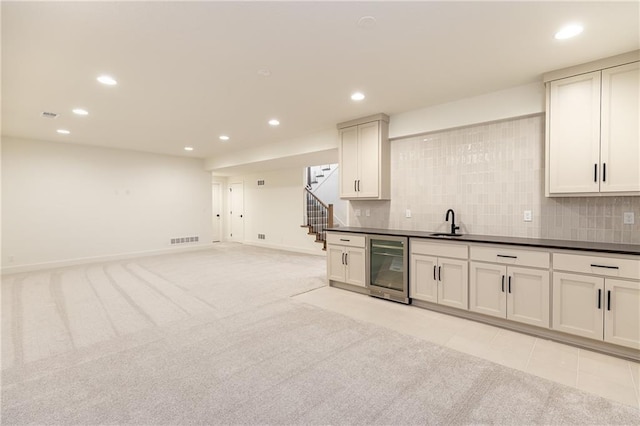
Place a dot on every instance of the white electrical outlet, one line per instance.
(358, 212)
(528, 216)
(629, 218)
(407, 213)
(367, 212)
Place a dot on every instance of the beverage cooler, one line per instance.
(388, 268)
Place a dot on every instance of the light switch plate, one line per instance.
(367, 212)
(629, 218)
(358, 212)
(407, 213)
(528, 216)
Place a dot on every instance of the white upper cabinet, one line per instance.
(364, 158)
(620, 135)
(574, 132)
(592, 140)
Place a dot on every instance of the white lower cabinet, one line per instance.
(437, 280)
(510, 283)
(598, 308)
(346, 259)
(514, 293)
(439, 273)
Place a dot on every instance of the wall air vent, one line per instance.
(261, 182)
(183, 240)
(46, 114)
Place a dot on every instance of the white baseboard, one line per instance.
(95, 259)
(318, 252)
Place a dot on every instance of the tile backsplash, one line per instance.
(490, 174)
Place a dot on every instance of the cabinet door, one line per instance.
(348, 162)
(528, 296)
(574, 134)
(335, 263)
(487, 290)
(578, 304)
(355, 270)
(620, 140)
(422, 282)
(369, 157)
(453, 283)
(622, 313)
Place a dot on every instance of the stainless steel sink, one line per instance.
(444, 234)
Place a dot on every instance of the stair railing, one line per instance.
(319, 216)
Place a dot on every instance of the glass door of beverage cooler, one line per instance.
(388, 268)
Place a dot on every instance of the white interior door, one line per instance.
(216, 211)
(236, 212)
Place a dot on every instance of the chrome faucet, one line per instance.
(453, 221)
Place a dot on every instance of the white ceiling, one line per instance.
(188, 72)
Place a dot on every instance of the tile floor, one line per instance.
(603, 375)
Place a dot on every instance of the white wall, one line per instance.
(517, 101)
(276, 210)
(63, 203)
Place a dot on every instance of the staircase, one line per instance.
(318, 217)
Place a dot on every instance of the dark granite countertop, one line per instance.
(630, 249)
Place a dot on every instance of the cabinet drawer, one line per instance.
(458, 251)
(509, 256)
(597, 265)
(346, 239)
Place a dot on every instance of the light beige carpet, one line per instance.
(213, 337)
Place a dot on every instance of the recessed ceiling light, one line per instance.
(108, 80)
(188, 148)
(569, 31)
(357, 96)
(274, 122)
(224, 138)
(80, 111)
(63, 131)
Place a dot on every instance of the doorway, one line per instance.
(236, 212)
(216, 211)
